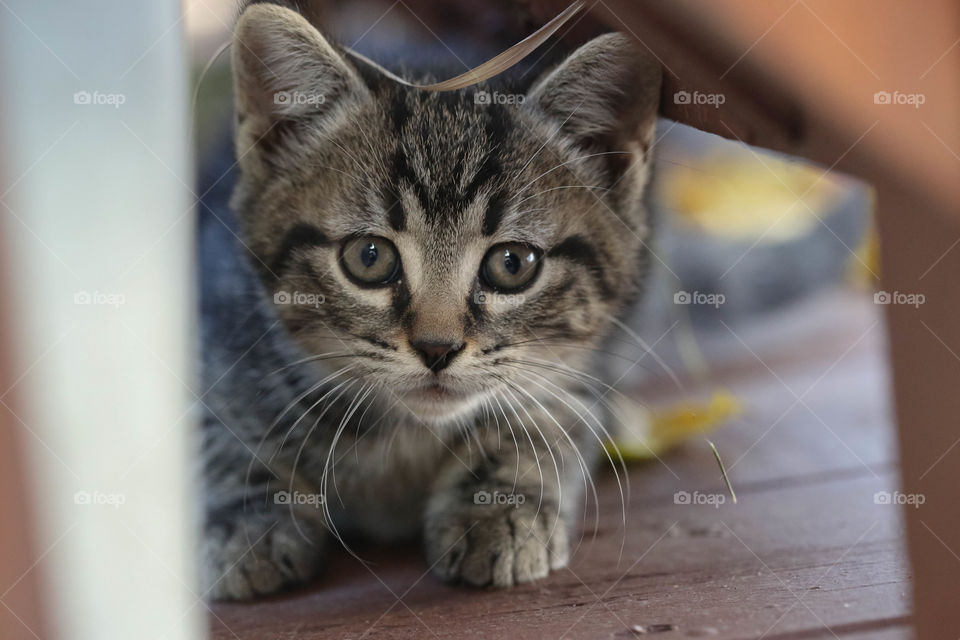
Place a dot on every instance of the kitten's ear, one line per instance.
(283, 69)
(604, 95)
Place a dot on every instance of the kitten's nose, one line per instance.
(437, 355)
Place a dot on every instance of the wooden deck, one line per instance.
(805, 554)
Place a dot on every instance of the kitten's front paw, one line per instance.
(248, 554)
(496, 544)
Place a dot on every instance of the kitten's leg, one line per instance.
(505, 519)
(253, 544)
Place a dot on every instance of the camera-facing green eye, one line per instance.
(370, 260)
(510, 266)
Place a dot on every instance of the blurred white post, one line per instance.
(96, 228)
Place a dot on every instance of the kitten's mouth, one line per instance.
(439, 403)
(436, 391)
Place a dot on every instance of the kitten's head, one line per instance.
(446, 247)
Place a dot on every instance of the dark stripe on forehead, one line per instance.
(493, 214)
(448, 195)
(488, 171)
(495, 128)
(402, 174)
(578, 250)
(399, 113)
(299, 236)
(396, 216)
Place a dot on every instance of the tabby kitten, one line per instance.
(400, 345)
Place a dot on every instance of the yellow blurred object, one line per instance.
(865, 263)
(738, 195)
(646, 434)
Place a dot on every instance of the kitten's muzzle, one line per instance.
(437, 355)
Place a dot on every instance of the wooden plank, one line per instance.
(739, 569)
(827, 365)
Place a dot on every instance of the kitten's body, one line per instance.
(330, 396)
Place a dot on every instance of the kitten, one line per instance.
(401, 344)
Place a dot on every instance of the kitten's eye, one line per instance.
(510, 266)
(370, 260)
